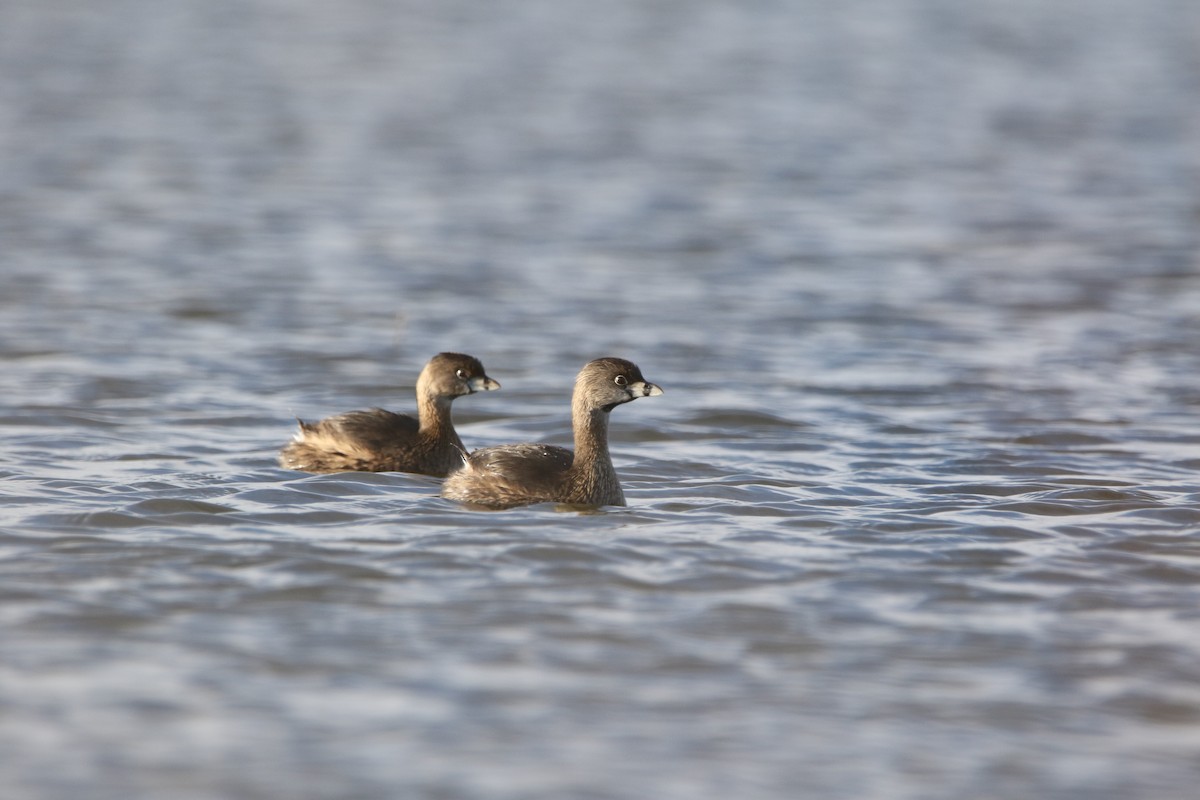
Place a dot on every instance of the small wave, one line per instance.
(1063, 438)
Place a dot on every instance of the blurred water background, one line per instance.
(916, 517)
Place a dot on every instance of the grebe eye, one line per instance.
(621, 380)
(462, 373)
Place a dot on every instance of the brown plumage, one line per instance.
(383, 441)
(520, 474)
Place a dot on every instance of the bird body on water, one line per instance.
(521, 474)
(376, 440)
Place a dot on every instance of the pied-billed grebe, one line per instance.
(520, 474)
(382, 441)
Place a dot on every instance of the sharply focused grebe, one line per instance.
(520, 474)
(382, 441)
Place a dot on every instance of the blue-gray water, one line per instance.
(916, 517)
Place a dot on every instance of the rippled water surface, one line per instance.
(916, 516)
